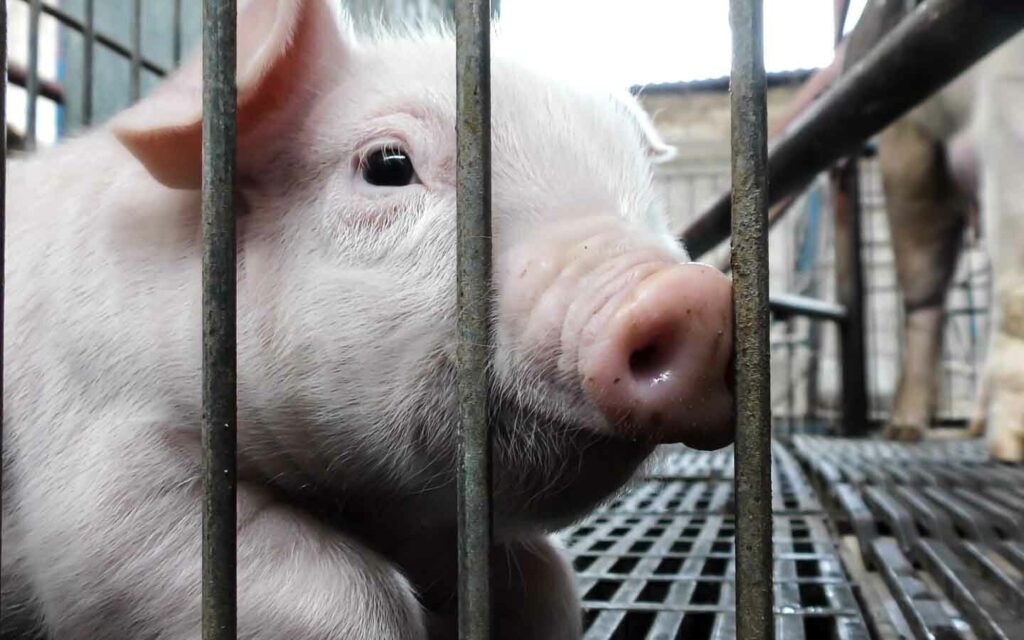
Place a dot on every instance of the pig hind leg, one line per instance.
(927, 214)
(113, 551)
(533, 595)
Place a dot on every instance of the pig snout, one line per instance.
(660, 368)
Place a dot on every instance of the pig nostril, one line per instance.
(651, 363)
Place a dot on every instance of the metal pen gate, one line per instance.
(472, 19)
(748, 200)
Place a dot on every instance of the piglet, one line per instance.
(606, 343)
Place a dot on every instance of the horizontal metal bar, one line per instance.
(18, 76)
(786, 305)
(916, 59)
(125, 52)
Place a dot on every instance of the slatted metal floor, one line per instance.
(907, 541)
(940, 524)
(658, 563)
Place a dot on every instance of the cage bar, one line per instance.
(748, 93)
(913, 61)
(32, 73)
(136, 58)
(89, 33)
(3, 201)
(176, 41)
(110, 43)
(473, 131)
(219, 338)
(850, 291)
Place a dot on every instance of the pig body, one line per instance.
(346, 320)
(939, 162)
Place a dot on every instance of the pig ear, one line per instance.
(288, 52)
(656, 148)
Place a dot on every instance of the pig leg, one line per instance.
(533, 595)
(926, 217)
(1000, 127)
(117, 554)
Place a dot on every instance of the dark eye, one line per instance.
(388, 167)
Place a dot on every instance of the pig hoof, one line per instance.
(903, 432)
(1006, 422)
(976, 428)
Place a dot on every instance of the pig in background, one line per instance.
(964, 145)
(606, 344)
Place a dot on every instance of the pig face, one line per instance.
(605, 343)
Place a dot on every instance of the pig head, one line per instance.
(347, 158)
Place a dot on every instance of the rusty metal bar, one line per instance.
(136, 57)
(753, 461)
(88, 68)
(219, 329)
(75, 24)
(914, 60)
(32, 74)
(473, 131)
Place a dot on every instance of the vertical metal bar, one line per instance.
(219, 345)
(3, 203)
(176, 41)
(136, 85)
(753, 462)
(88, 66)
(850, 293)
(32, 81)
(473, 132)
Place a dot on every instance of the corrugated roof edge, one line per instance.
(775, 79)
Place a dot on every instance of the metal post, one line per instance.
(136, 78)
(89, 33)
(473, 130)
(219, 345)
(748, 89)
(850, 292)
(850, 276)
(32, 81)
(3, 203)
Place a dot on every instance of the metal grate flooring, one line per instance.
(658, 562)
(938, 527)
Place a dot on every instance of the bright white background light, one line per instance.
(651, 41)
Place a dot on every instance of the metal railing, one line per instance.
(750, 198)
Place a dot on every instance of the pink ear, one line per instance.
(288, 51)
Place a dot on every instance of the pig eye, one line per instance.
(388, 167)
